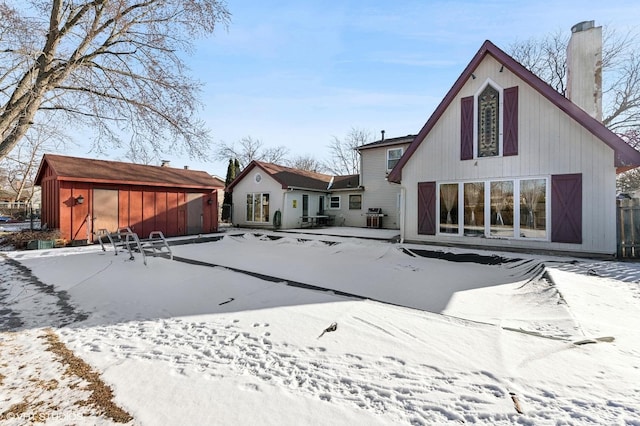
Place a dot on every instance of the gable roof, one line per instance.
(287, 177)
(388, 142)
(625, 155)
(116, 172)
(290, 178)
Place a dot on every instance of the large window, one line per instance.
(515, 208)
(355, 202)
(258, 207)
(533, 218)
(449, 208)
(502, 208)
(474, 209)
(393, 156)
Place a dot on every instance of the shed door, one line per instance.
(105, 210)
(194, 214)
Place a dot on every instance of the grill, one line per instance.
(374, 217)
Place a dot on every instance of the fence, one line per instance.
(628, 228)
(19, 210)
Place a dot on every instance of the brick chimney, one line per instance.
(584, 68)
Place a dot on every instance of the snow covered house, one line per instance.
(505, 161)
(267, 195)
(377, 159)
(80, 196)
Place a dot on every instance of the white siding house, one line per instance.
(377, 159)
(507, 162)
(268, 195)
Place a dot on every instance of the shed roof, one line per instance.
(116, 172)
(625, 156)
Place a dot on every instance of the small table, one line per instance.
(314, 221)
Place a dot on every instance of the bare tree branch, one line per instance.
(546, 57)
(345, 159)
(307, 162)
(249, 149)
(110, 65)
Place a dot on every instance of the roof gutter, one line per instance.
(298, 188)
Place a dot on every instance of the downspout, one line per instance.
(403, 196)
(403, 209)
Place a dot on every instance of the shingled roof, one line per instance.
(290, 178)
(388, 142)
(116, 172)
(626, 157)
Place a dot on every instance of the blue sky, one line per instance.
(297, 73)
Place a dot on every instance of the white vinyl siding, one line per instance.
(379, 193)
(550, 143)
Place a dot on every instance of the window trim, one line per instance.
(487, 210)
(330, 207)
(401, 149)
(355, 195)
(500, 89)
(253, 196)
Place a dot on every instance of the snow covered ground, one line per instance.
(231, 332)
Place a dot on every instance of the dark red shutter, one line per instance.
(566, 208)
(510, 116)
(466, 128)
(427, 208)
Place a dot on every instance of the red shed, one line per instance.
(81, 196)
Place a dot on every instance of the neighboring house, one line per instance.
(507, 162)
(377, 159)
(80, 196)
(269, 195)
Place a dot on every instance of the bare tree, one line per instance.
(248, 149)
(21, 166)
(546, 57)
(110, 65)
(307, 162)
(629, 181)
(344, 157)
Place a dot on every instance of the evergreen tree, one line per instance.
(232, 171)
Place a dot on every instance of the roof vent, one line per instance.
(164, 163)
(582, 26)
(382, 132)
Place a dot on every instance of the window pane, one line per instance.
(393, 156)
(502, 209)
(256, 207)
(355, 202)
(474, 209)
(449, 208)
(533, 217)
(249, 207)
(265, 207)
(334, 202)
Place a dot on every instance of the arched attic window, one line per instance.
(488, 122)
